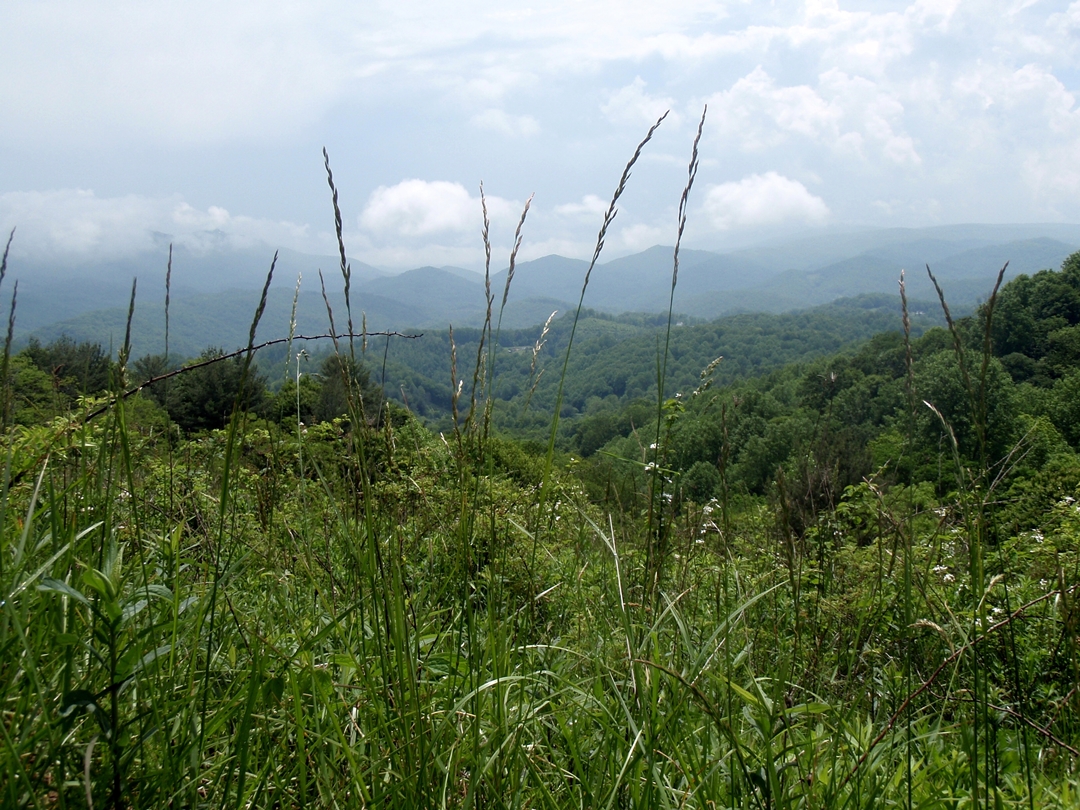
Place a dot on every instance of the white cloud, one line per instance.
(589, 208)
(971, 104)
(640, 235)
(77, 224)
(762, 199)
(762, 115)
(632, 105)
(870, 114)
(408, 256)
(845, 113)
(206, 72)
(502, 122)
(417, 208)
(191, 72)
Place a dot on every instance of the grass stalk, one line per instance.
(601, 236)
(657, 531)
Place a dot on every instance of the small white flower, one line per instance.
(940, 569)
(949, 578)
(650, 467)
(652, 446)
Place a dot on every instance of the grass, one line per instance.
(382, 617)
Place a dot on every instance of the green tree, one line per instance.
(148, 367)
(75, 368)
(941, 383)
(343, 381)
(203, 398)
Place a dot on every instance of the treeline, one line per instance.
(48, 379)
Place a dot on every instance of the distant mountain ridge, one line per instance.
(213, 295)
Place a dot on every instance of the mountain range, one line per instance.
(213, 293)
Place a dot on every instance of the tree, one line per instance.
(941, 383)
(204, 398)
(75, 368)
(344, 381)
(148, 367)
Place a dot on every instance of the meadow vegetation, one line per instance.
(837, 578)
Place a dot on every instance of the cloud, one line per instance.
(502, 122)
(762, 199)
(640, 235)
(418, 208)
(206, 72)
(632, 105)
(72, 224)
(845, 113)
(589, 208)
(762, 115)
(971, 104)
(175, 73)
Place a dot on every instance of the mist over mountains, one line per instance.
(214, 293)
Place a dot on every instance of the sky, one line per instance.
(124, 125)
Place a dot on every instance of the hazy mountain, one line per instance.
(555, 276)
(213, 295)
(907, 246)
(223, 319)
(967, 277)
(433, 291)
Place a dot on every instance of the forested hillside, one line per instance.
(823, 559)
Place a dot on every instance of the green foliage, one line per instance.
(74, 368)
(204, 398)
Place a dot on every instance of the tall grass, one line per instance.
(422, 621)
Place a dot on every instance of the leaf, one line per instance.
(133, 608)
(132, 663)
(809, 708)
(98, 583)
(56, 586)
